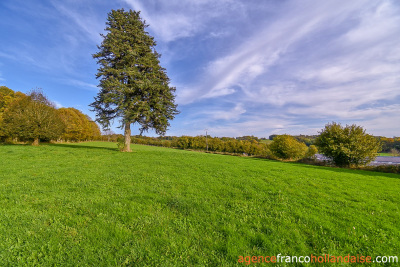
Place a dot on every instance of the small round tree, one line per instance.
(287, 147)
(347, 146)
(311, 152)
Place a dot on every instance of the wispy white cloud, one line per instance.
(320, 61)
(384, 125)
(254, 57)
(217, 92)
(87, 22)
(240, 67)
(172, 20)
(232, 114)
(81, 84)
(60, 43)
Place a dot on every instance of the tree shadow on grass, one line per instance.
(336, 169)
(85, 147)
(42, 144)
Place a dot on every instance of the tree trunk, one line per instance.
(127, 147)
(35, 141)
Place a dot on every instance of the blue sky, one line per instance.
(241, 67)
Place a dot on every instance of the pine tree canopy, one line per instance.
(133, 86)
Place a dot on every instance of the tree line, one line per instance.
(246, 145)
(344, 146)
(33, 118)
(390, 145)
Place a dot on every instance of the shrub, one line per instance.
(311, 151)
(120, 143)
(287, 147)
(347, 146)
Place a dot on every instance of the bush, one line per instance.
(311, 151)
(347, 146)
(120, 143)
(287, 147)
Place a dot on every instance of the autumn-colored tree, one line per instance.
(183, 142)
(33, 117)
(73, 127)
(7, 96)
(95, 130)
(86, 128)
(311, 152)
(215, 144)
(78, 126)
(287, 147)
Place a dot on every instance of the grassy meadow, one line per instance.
(87, 204)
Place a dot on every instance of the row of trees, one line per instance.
(213, 144)
(34, 118)
(290, 149)
(390, 145)
(344, 146)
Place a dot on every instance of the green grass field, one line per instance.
(87, 204)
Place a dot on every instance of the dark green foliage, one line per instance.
(134, 87)
(287, 147)
(347, 146)
(32, 118)
(271, 137)
(306, 139)
(389, 143)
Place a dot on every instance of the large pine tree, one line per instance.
(133, 86)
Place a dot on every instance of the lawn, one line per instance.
(87, 204)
